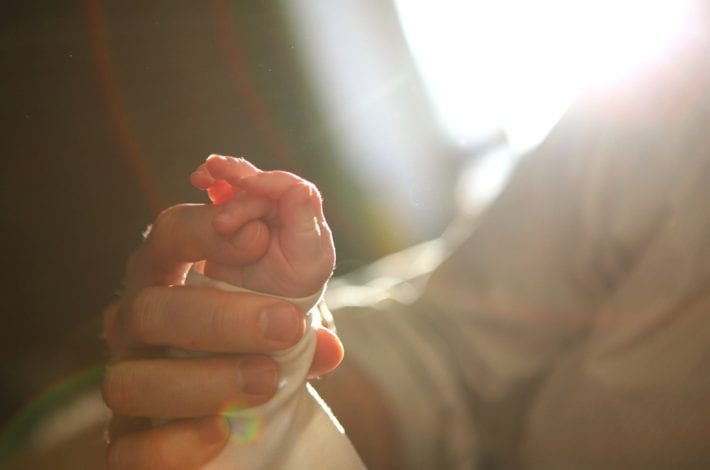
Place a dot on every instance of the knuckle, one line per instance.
(299, 180)
(313, 189)
(308, 188)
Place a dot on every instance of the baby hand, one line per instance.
(300, 255)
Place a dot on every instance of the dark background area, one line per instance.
(106, 109)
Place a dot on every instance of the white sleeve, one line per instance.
(455, 363)
(570, 329)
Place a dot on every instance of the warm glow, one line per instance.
(517, 64)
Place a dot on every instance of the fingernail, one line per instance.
(213, 429)
(257, 375)
(281, 323)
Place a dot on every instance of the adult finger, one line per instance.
(120, 425)
(212, 320)
(183, 444)
(195, 386)
(183, 234)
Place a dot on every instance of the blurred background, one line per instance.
(386, 105)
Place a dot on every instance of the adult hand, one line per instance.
(238, 330)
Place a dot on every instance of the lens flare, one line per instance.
(245, 424)
(25, 429)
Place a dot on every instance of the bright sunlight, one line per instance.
(518, 64)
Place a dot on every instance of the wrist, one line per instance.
(197, 277)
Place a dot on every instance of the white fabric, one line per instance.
(571, 328)
(295, 429)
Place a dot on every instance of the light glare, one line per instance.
(518, 64)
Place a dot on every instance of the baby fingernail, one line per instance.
(257, 375)
(281, 323)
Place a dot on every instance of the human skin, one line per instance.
(299, 255)
(300, 252)
(156, 311)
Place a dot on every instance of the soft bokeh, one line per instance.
(385, 105)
